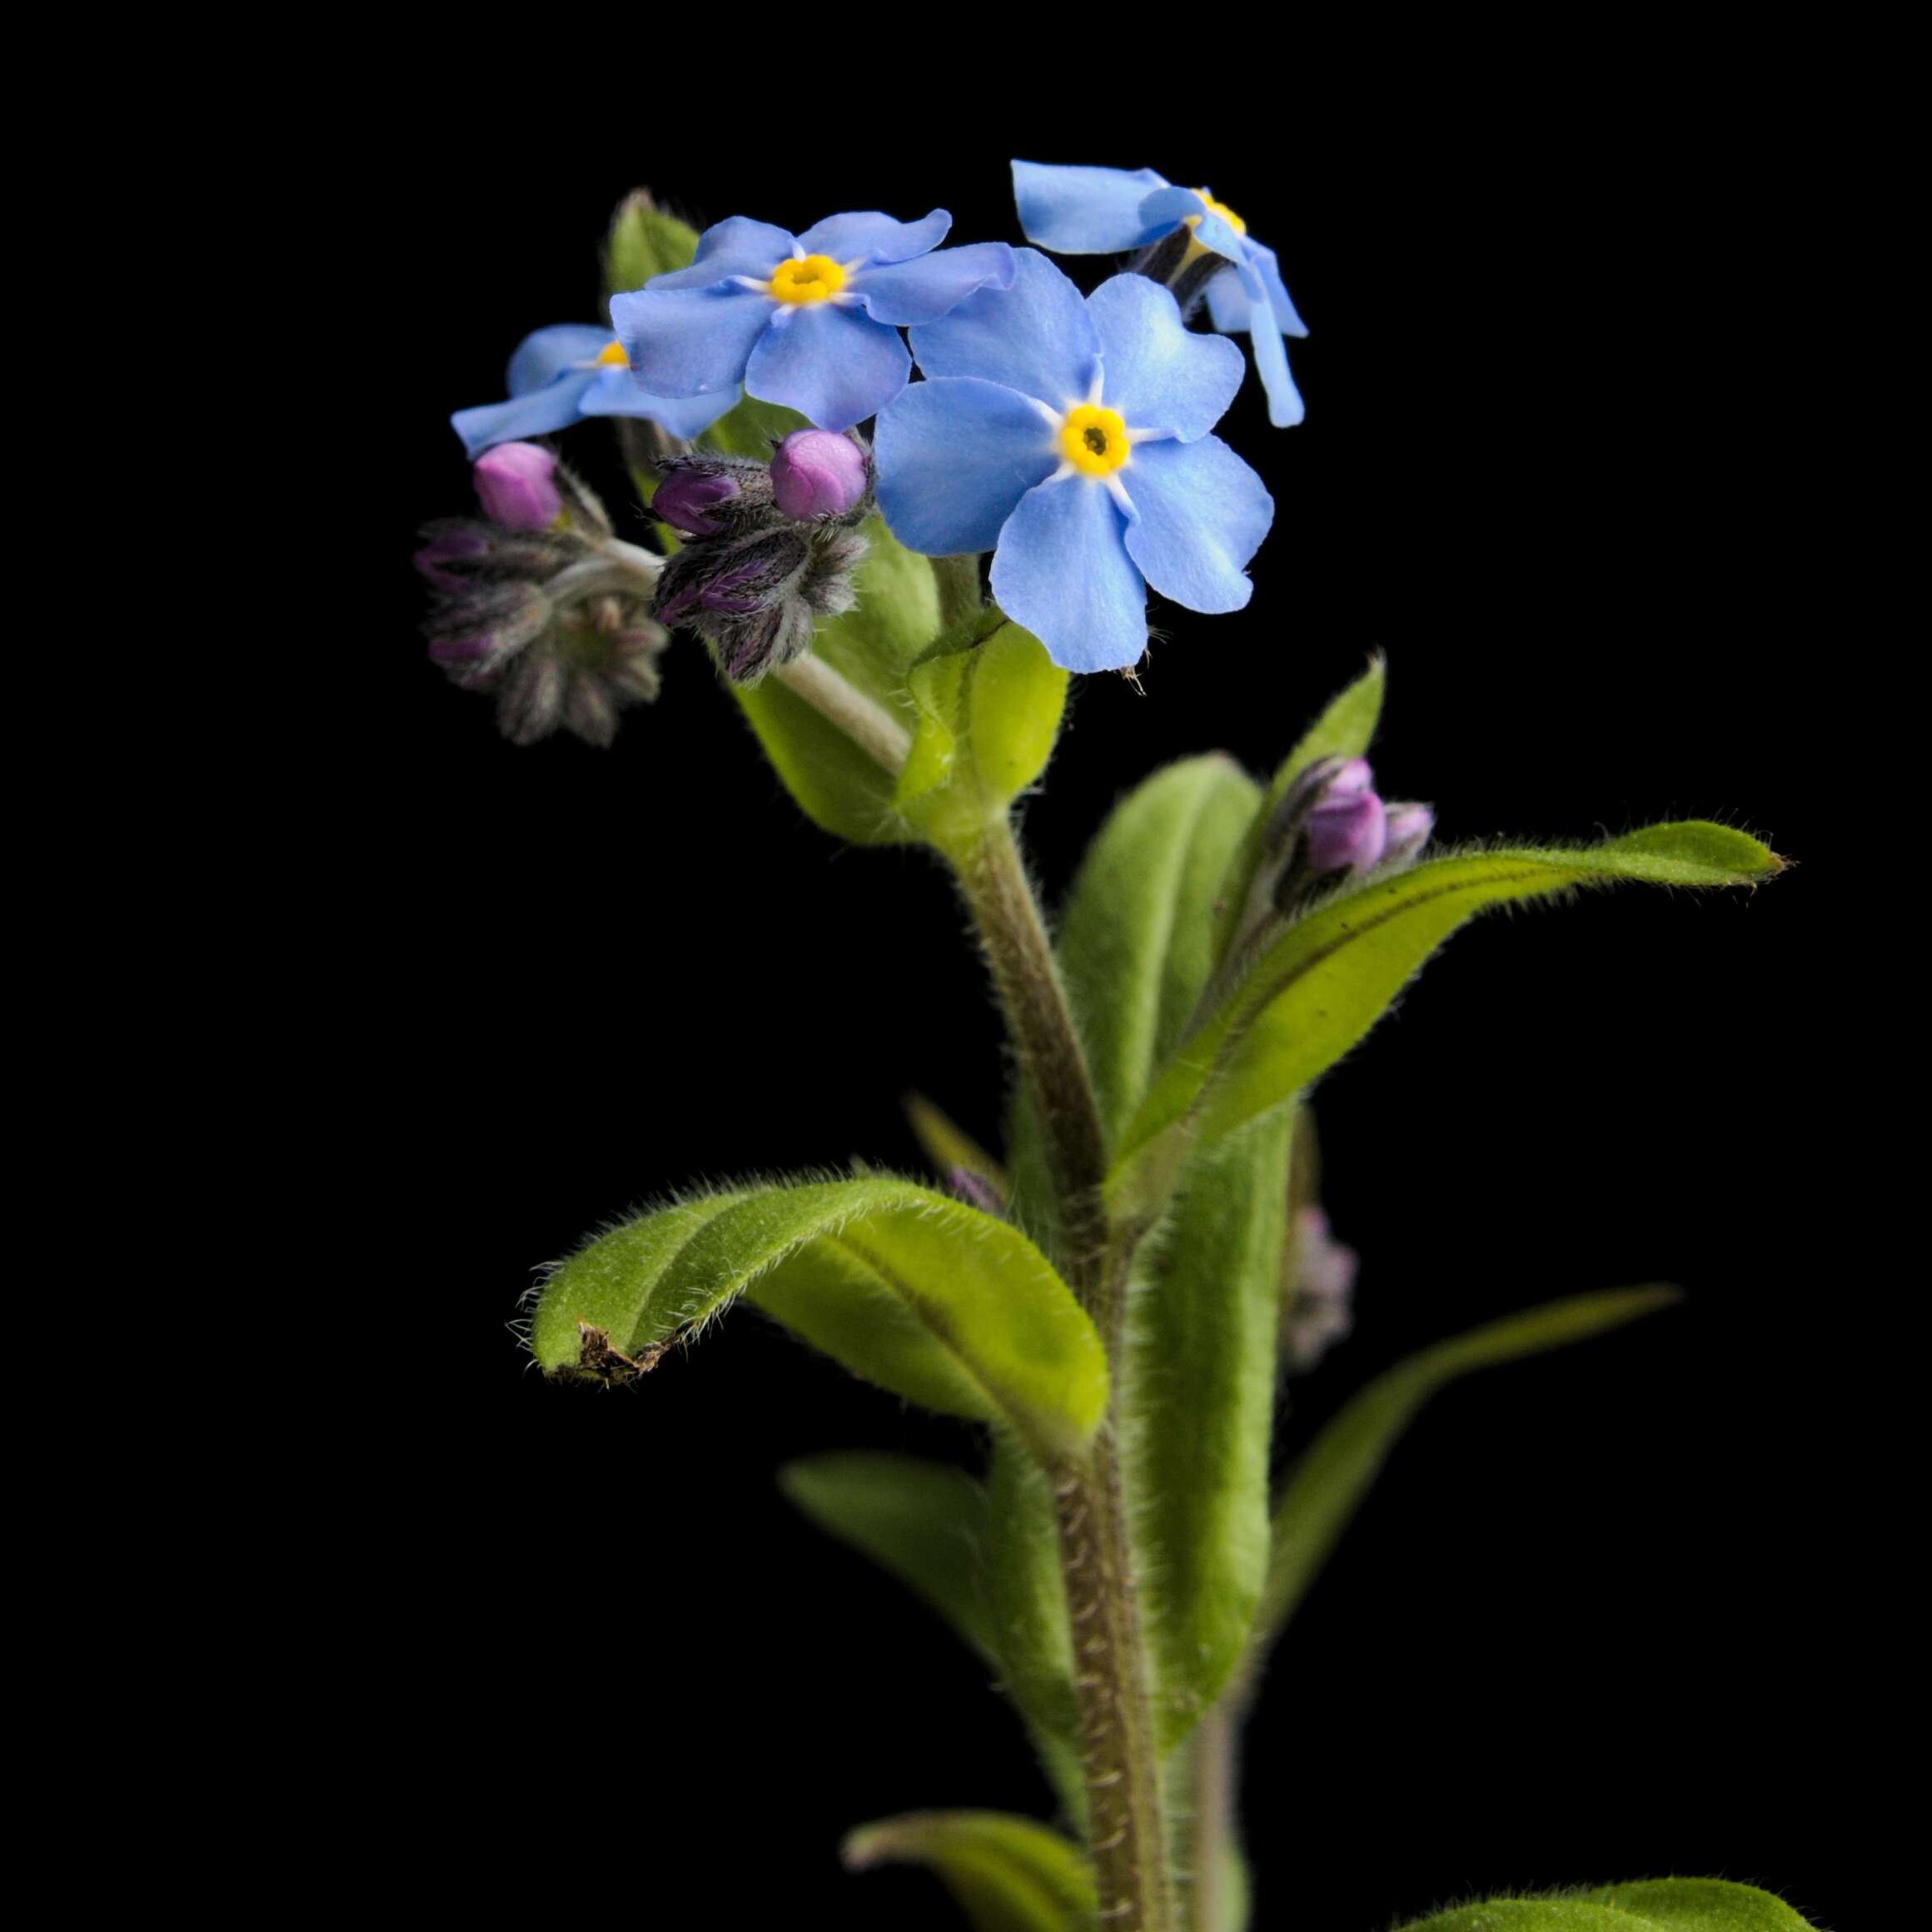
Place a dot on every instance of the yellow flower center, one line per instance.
(1094, 439)
(613, 354)
(816, 279)
(1220, 208)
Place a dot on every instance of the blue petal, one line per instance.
(875, 238)
(833, 365)
(1271, 360)
(1214, 232)
(1159, 374)
(618, 392)
(934, 285)
(1199, 515)
(690, 341)
(738, 247)
(1063, 572)
(555, 407)
(954, 458)
(1085, 210)
(1035, 337)
(544, 356)
(1231, 307)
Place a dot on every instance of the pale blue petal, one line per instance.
(875, 238)
(689, 341)
(555, 407)
(1063, 572)
(1286, 319)
(1159, 374)
(934, 285)
(1173, 206)
(1232, 307)
(1270, 360)
(544, 356)
(1035, 337)
(954, 457)
(833, 365)
(1199, 515)
(618, 392)
(1085, 210)
(738, 247)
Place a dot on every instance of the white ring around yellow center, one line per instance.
(1094, 439)
(812, 278)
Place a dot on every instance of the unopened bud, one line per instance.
(1346, 831)
(748, 649)
(516, 483)
(1410, 828)
(731, 580)
(819, 473)
(705, 496)
(1320, 1306)
(685, 502)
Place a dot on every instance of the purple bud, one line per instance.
(1319, 1309)
(975, 1190)
(448, 546)
(1355, 776)
(685, 497)
(516, 484)
(1410, 828)
(1346, 831)
(818, 473)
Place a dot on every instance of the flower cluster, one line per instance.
(538, 604)
(1069, 434)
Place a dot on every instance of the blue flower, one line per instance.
(809, 320)
(559, 376)
(1103, 210)
(1069, 436)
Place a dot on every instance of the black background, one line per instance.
(1592, 1624)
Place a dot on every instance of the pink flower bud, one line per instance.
(1346, 831)
(516, 482)
(816, 473)
(1410, 828)
(685, 500)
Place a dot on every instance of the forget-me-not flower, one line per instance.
(1069, 436)
(1104, 211)
(561, 375)
(808, 321)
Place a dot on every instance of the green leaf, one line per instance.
(750, 427)
(909, 1289)
(1007, 1873)
(1136, 942)
(1648, 1905)
(1026, 1599)
(989, 710)
(1325, 1486)
(1201, 1387)
(643, 241)
(1314, 993)
(838, 786)
(1343, 730)
(926, 1522)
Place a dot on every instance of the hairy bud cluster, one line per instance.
(531, 610)
(1330, 825)
(772, 546)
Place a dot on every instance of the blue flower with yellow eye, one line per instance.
(1105, 211)
(808, 321)
(560, 376)
(1070, 435)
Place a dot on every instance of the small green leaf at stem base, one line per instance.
(1007, 1873)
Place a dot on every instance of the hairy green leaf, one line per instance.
(1325, 1486)
(1343, 730)
(1200, 1388)
(989, 708)
(643, 241)
(910, 1289)
(1647, 1905)
(923, 1522)
(1314, 993)
(838, 786)
(1007, 1873)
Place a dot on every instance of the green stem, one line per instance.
(1211, 1829)
(958, 581)
(1126, 1838)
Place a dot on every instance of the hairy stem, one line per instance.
(1211, 1829)
(1117, 1742)
(958, 581)
(869, 725)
